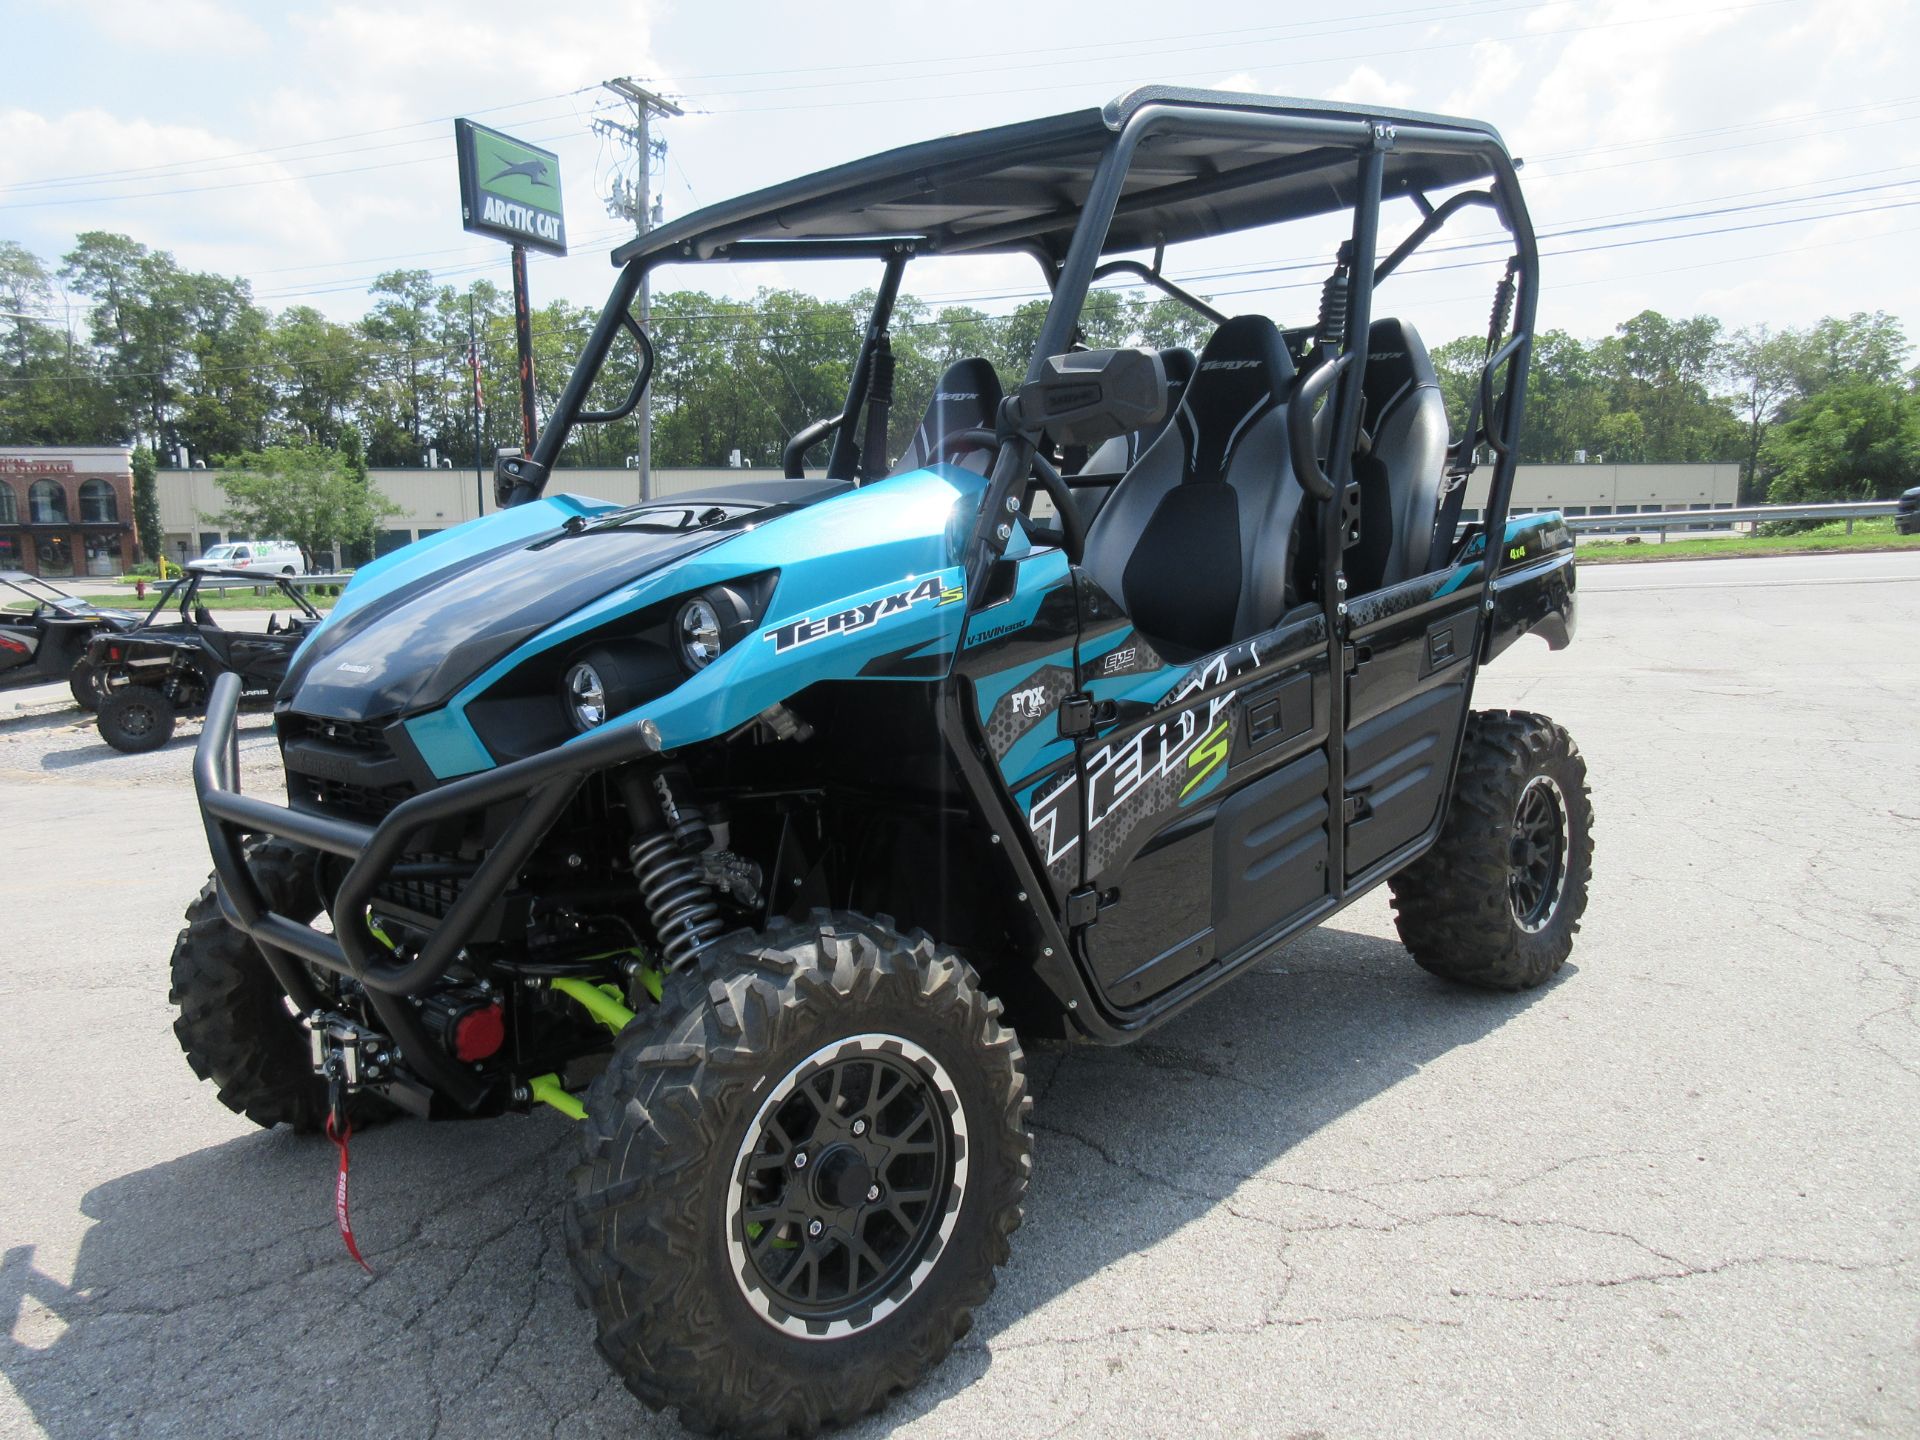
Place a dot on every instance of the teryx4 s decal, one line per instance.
(1165, 763)
(864, 614)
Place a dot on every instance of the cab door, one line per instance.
(1409, 652)
(1203, 798)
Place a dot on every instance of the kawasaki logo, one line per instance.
(863, 615)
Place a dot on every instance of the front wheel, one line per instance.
(800, 1175)
(1497, 900)
(232, 1021)
(136, 718)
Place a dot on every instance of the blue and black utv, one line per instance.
(748, 827)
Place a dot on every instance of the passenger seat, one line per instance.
(1401, 474)
(966, 398)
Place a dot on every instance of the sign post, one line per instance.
(511, 191)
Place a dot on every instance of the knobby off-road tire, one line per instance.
(233, 1022)
(678, 1149)
(1498, 899)
(83, 681)
(136, 718)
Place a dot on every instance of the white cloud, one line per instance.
(1367, 86)
(197, 27)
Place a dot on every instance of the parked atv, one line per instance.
(151, 675)
(750, 828)
(48, 641)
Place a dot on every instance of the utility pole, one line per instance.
(634, 201)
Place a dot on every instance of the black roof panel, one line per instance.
(1019, 185)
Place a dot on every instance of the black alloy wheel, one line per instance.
(854, 1165)
(1539, 854)
(1497, 900)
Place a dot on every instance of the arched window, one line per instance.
(97, 503)
(9, 508)
(47, 503)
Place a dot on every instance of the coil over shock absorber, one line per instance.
(668, 833)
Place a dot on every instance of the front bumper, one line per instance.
(544, 784)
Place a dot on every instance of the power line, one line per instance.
(844, 102)
(148, 170)
(439, 158)
(1365, 20)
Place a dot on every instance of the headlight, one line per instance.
(698, 630)
(586, 696)
(707, 623)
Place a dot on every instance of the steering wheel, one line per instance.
(1073, 530)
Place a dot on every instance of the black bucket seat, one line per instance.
(1114, 456)
(1195, 541)
(1401, 474)
(966, 398)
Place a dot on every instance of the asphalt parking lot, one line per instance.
(1675, 1192)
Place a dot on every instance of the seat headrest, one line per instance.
(1396, 358)
(1179, 364)
(966, 397)
(1244, 370)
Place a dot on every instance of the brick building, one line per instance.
(66, 509)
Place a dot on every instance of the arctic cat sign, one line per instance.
(509, 190)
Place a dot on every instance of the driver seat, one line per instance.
(967, 397)
(1196, 540)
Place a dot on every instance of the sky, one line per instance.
(308, 145)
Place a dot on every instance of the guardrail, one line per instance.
(264, 581)
(1748, 515)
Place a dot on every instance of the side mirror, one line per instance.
(1092, 395)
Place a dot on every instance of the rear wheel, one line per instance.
(136, 718)
(1496, 902)
(801, 1172)
(84, 681)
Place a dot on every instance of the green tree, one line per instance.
(322, 373)
(1163, 322)
(308, 494)
(1765, 367)
(400, 333)
(1854, 441)
(139, 326)
(1859, 347)
(1664, 372)
(146, 505)
(50, 393)
(226, 391)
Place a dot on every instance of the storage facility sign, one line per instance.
(509, 190)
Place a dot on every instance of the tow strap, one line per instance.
(340, 1134)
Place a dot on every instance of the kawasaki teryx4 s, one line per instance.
(747, 828)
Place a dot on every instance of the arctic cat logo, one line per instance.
(496, 211)
(533, 171)
(1231, 365)
(861, 616)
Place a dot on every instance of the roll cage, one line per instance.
(1080, 192)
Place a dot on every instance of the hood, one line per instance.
(410, 647)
